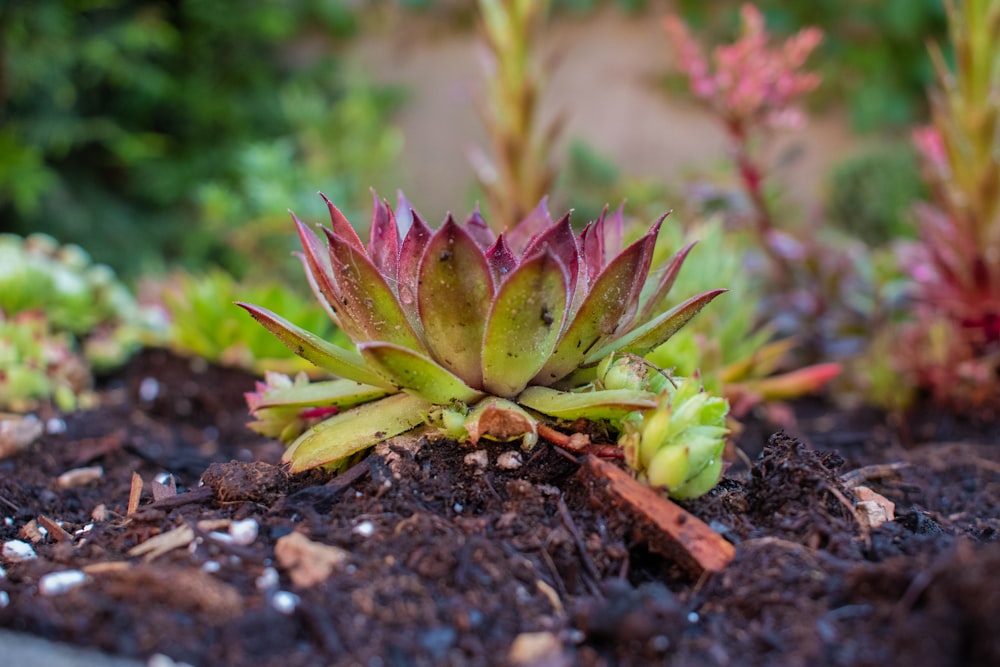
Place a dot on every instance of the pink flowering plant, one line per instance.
(753, 87)
(472, 333)
(955, 266)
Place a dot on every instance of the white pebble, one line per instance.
(284, 602)
(244, 532)
(17, 551)
(211, 566)
(267, 580)
(693, 617)
(3, 573)
(4, 599)
(477, 459)
(458, 507)
(364, 529)
(162, 478)
(8, 521)
(510, 460)
(57, 583)
(149, 389)
(54, 426)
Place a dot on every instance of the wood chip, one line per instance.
(32, 532)
(664, 526)
(163, 491)
(308, 563)
(109, 566)
(873, 509)
(80, 476)
(57, 532)
(17, 432)
(134, 494)
(177, 538)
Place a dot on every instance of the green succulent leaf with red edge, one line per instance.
(445, 319)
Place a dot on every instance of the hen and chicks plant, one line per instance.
(474, 333)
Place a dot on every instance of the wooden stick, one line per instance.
(664, 526)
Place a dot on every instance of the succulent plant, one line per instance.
(199, 327)
(478, 334)
(37, 363)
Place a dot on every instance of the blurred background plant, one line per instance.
(204, 322)
(116, 114)
(518, 173)
(953, 345)
(61, 316)
(873, 57)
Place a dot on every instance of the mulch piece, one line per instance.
(444, 562)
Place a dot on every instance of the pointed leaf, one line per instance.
(339, 393)
(535, 223)
(605, 404)
(454, 292)
(656, 303)
(604, 312)
(383, 243)
(560, 240)
(524, 323)
(355, 430)
(340, 225)
(501, 260)
(410, 254)
(404, 216)
(365, 296)
(344, 363)
(417, 374)
(657, 331)
(317, 292)
(479, 230)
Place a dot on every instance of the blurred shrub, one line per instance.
(205, 323)
(113, 113)
(871, 194)
(874, 54)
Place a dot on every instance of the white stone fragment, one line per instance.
(3, 573)
(244, 532)
(149, 389)
(364, 529)
(477, 459)
(284, 602)
(57, 583)
(510, 460)
(211, 566)
(54, 426)
(4, 599)
(17, 551)
(267, 580)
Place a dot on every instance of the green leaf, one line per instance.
(453, 296)
(605, 404)
(354, 430)
(365, 296)
(648, 336)
(341, 393)
(524, 323)
(344, 363)
(604, 312)
(417, 374)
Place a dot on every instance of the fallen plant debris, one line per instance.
(448, 564)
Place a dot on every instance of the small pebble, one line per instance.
(364, 529)
(693, 617)
(17, 551)
(211, 566)
(510, 460)
(477, 459)
(458, 507)
(267, 580)
(3, 573)
(244, 532)
(4, 599)
(149, 389)
(284, 602)
(163, 478)
(57, 583)
(55, 426)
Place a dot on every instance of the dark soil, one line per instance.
(447, 563)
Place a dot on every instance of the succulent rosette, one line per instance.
(476, 333)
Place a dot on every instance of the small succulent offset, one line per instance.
(477, 334)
